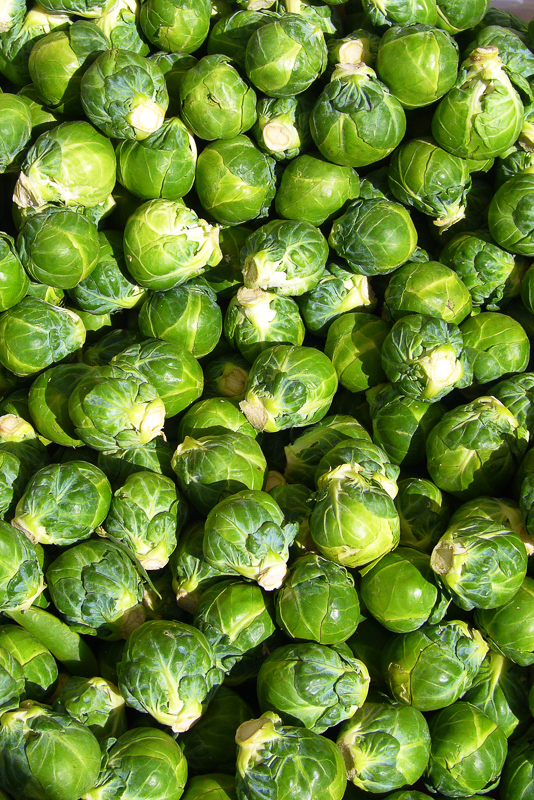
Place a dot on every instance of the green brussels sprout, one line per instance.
(14, 283)
(513, 51)
(355, 47)
(98, 591)
(401, 592)
(255, 320)
(210, 787)
(430, 179)
(119, 21)
(15, 131)
(517, 777)
(474, 448)
(166, 244)
(354, 520)
(102, 351)
(35, 334)
(375, 236)
(211, 417)
(34, 741)
(502, 511)
(423, 513)
(187, 315)
(176, 25)
(58, 61)
(494, 345)
(82, 8)
(275, 761)
(282, 129)
(226, 376)
(455, 16)
(169, 368)
(124, 95)
(21, 576)
(354, 344)
(432, 667)
(509, 628)
(288, 386)
(364, 457)
(318, 601)
(209, 745)
(235, 181)
(481, 564)
(141, 764)
(482, 115)
(96, 703)
(237, 619)
(484, 268)
(113, 409)
(246, 534)
(168, 670)
(312, 685)
(429, 59)
(16, 44)
(215, 101)
(467, 753)
(508, 215)
(212, 467)
(313, 190)
(231, 32)
(71, 164)
(58, 247)
(21, 454)
(310, 445)
(424, 357)
(286, 256)
(191, 573)
(160, 166)
(500, 691)
(146, 515)
(63, 503)
(337, 292)
(384, 746)
(400, 424)
(400, 12)
(39, 667)
(11, 681)
(356, 121)
(284, 57)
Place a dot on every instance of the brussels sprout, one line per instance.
(14, 282)
(495, 345)
(146, 515)
(21, 454)
(499, 690)
(384, 746)
(226, 376)
(405, 12)
(509, 628)
(318, 601)
(481, 564)
(71, 164)
(502, 511)
(160, 166)
(213, 787)
(176, 25)
(15, 131)
(284, 57)
(102, 351)
(484, 268)
(482, 115)
(508, 215)
(39, 667)
(364, 457)
(375, 236)
(288, 386)
(429, 59)
(96, 703)
(337, 292)
(355, 47)
(34, 740)
(419, 288)
(517, 777)
(187, 315)
(191, 573)
(16, 44)
(11, 681)
(235, 182)
(212, 417)
(246, 534)
(467, 753)
(356, 121)
(400, 424)
(124, 95)
(35, 334)
(423, 513)
(283, 126)
(63, 503)
(353, 344)
(231, 32)
(120, 23)
(354, 520)
(168, 670)
(474, 448)
(455, 16)
(291, 759)
(209, 746)
(97, 589)
(432, 667)
(255, 320)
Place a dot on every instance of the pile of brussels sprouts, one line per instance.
(266, 492)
